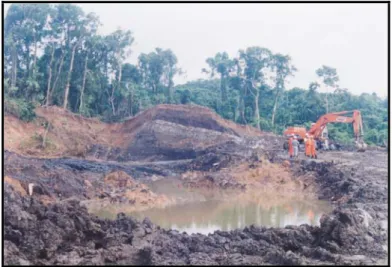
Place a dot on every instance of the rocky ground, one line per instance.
(53, 227)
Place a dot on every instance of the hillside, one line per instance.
(162, 132)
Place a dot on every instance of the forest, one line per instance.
(54, 55)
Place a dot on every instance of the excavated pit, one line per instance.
(54, 226)
(206, 215)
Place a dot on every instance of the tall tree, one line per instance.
(152, 69)
(237, 81)
(257, 60)
(223, 65)
(90, 41)
(69, 22)
(330, 79)
(24, 29)
(77, 33)
(170, 69)
(283, 68)
(58, 75)
(158, 69)
(67, 85)
(49, 75)
(118, 43)
(131, 79)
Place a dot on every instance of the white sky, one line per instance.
(349, 37)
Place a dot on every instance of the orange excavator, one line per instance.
(317, 128)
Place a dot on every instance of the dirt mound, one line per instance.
(173, 132)
(191, 116)
(164, 132)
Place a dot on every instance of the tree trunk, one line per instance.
(14, 65)
(242, 106)
(111, 99)
(83, 84)
(119, 76)
(241, 109)
(170, 90)
(35, 55)
(27, 56)
(50, 77)
(237, 109)
(113, 88)
(326, 103)
(45, 134)
(223, 88)
(153, 88)
(275, 106)
(65, 103)
(57, 77)
(131, 101)
(257, 112)
(106, 68)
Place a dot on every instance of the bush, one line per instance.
(19, 108)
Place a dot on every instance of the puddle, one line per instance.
(205, 211)
(208, 216)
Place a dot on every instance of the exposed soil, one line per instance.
(165, 132)
(200, 150)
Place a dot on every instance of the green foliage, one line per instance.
(329, 75)
(19, 108)
(344, 136)
(102, 85)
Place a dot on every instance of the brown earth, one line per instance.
(101, 164)
(165, 132)
(162, 131)
(16, 185)
(123, 188)
(261, 174)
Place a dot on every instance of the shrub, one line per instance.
(19, 108)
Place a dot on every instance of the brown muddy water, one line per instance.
(205, 212)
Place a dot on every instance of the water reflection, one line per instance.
(207, 216)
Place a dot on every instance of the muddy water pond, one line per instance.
(207, 214)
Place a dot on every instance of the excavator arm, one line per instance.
(356, 121)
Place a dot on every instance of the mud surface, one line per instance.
(53, 227)
(353, 233)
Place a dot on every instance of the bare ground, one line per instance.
(110, 163)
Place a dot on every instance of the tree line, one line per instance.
(54, 55)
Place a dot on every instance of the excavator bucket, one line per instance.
(361, 146)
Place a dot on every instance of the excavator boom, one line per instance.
(356, 120)
(341, 117)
